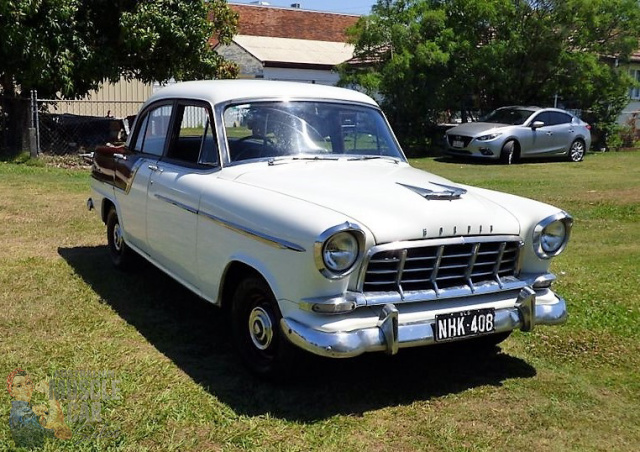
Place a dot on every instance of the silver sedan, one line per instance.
(511, 133)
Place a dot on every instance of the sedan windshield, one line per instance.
(314, 129)
(513, 116)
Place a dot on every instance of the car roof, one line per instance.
(523, 107)
(222, 91)
(536, 109)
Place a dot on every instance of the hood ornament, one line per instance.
(449, 193)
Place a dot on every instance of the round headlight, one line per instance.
(340, 252)
(551, 235)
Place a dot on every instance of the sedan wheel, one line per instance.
(256, 329)
(576, 151)
(118, 249)
(509, 153)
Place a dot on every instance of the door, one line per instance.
(133, 170)
(541, 138)
(174, 192)
(563, 132)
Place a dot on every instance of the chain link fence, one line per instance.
(59, 127)
(77, 126)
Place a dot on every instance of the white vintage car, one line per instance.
(293, 206)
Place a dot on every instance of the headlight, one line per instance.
(488, 137)
(338, 249)
(340, 252)
(551, 235)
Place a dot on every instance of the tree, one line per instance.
(424, 57)
(65, 48)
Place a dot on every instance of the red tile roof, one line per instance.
(293, 23)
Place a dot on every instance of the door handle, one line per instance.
(155, 168)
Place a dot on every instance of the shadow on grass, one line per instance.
(194, 335)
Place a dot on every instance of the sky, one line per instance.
(338, 6)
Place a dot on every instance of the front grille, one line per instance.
(465, 140)
(458, 262)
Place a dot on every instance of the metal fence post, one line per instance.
(33, 127)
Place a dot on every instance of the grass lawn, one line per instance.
(181, 387)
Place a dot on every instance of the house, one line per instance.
(631, 114)
(273, 43)
(290, 44)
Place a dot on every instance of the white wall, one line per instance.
(302, 75)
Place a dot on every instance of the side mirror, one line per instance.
(537, 125)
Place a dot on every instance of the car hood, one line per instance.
(392, 200)
(475, 128)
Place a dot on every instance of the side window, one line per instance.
(194, 140)
(560, 118)
(152, 134)
(544, 117)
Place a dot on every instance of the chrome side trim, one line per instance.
(264, 238)
(177, 204)
(383, 337)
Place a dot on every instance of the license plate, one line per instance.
(456, 325)
(457, 144)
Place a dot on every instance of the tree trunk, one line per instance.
(16, 132)
(15, 112)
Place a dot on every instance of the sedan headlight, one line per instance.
(551, 235)
(488, 137)
(338, 250)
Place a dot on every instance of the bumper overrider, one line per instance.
(390, 335)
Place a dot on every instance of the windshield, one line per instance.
(513, 116)
(314, 129)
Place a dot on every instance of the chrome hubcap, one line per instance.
(576, 151)
(260, 328)
(117, 237)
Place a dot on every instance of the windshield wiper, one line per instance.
(273, 161)
(374, 157)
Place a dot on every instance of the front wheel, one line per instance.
(118, 249)
(509, 153)
(255, 320)
(576, 151)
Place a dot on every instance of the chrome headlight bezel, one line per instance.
(333, 236)
(551, 235)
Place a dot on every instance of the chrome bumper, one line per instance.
(389, 335)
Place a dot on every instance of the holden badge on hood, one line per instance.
(448, 193)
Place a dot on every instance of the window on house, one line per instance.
(634, 92)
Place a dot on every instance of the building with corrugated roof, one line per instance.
(290, 44)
